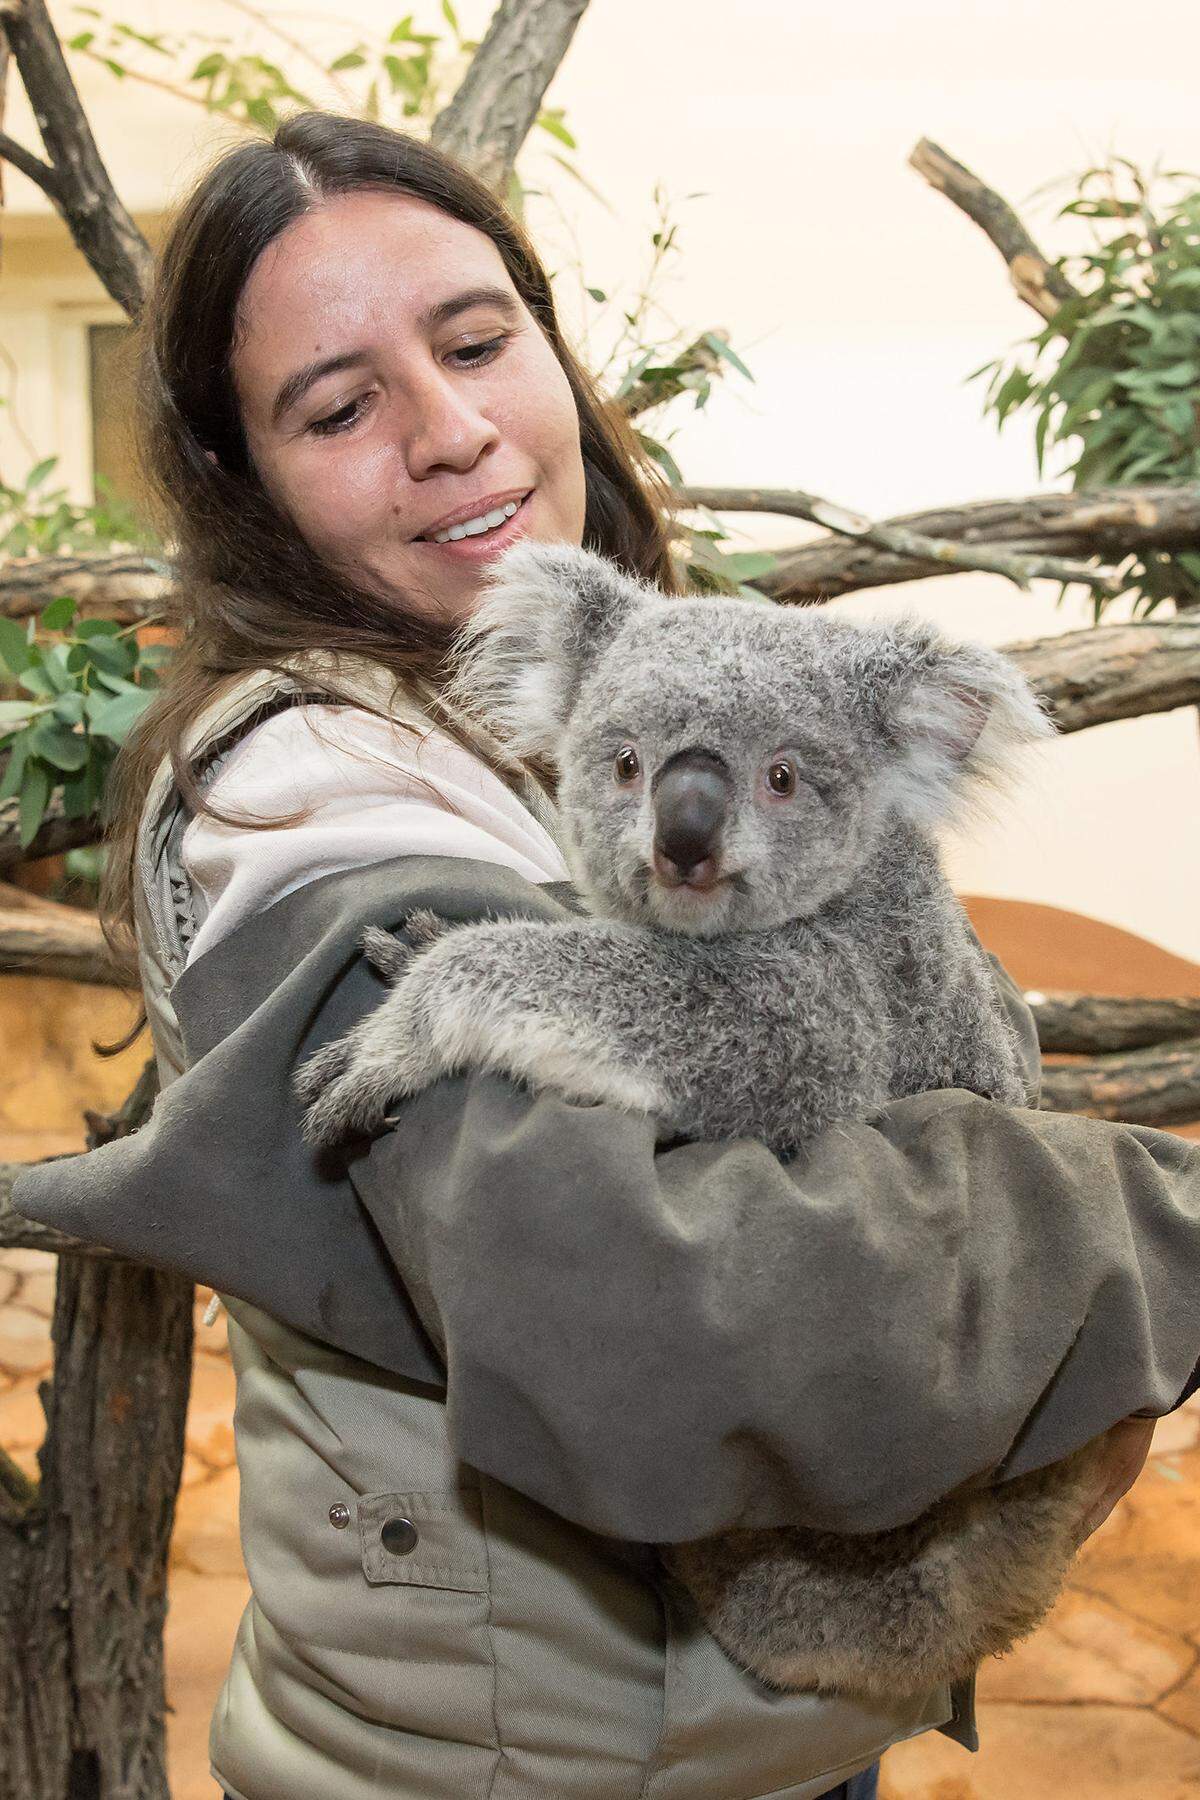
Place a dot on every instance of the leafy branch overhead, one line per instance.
(1113, 376)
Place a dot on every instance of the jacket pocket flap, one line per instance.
(425, 1540)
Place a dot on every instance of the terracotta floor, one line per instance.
(1103, 1703)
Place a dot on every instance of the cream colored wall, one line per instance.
(859, 296)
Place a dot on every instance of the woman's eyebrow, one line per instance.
(440, 313)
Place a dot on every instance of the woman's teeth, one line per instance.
(473, 527)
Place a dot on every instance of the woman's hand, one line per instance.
(1126, 1448)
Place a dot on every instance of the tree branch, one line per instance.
(1110, 522)
(39, 937)
(943, 554)
(1145, 1087)
(55, 834)
(125, 585)
(490, 116)
(1109, 672)
(1091, 1024)
(82, 191)
(31, 166)
(1034, 277)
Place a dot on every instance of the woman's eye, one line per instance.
(481, 353)
(337, 421)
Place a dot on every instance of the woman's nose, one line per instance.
(443, 428)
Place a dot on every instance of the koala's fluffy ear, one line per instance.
(546, 612)
(958, 717)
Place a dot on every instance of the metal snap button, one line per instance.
(339, 1516)
(399, 1536)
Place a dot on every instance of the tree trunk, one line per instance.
(83, 1556)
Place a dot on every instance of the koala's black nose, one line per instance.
(691, 799)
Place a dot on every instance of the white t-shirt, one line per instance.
(371, 789)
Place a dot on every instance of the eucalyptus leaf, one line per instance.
(115, 717)
(35, 796)
(58, 745)
(59, 614)
(15, 653)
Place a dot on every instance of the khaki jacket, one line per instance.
(449, 1493)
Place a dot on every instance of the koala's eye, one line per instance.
(781, 777)
(626, 766)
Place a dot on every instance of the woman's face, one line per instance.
(391, 382)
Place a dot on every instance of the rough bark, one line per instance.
(1094, 1024)
(944, 554)
(39, 937)
(83, 1554)
(1159, 1086)
(490, 116)
(1034, 277)
(74, 178)
(1108, 522)
(1110, 672)
(122, 585)
(53, 836)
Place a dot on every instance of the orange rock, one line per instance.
(209, 1433)
(22, 1421)
(25, 1347)
(201, 1625)
(1087, 1650)
(1051, 1753)
(37, 1293)
(1146, 1561)
(206, 1528)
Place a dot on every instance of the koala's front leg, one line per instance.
(523, 999)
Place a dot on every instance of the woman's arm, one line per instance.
(658, 1340)
(663, 1342)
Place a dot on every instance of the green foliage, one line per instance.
(1115, 374)
(72, 690)
(37, 520)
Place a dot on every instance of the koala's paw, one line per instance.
(390, 955)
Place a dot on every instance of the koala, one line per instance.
(748, 797)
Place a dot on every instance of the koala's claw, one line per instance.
(392, 957)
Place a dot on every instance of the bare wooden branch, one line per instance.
(1160, 1086)
(1110, 672)
(123, 585)
(490, 116)
(1034, 277)
(1093, 1024)
(1109, 522)
(900, 540)
(40, 937)
(81, 191)
(31, 166)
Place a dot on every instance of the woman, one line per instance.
(486, 1361)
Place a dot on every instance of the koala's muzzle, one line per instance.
(691, 794)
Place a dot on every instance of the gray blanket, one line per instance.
(659, 1339)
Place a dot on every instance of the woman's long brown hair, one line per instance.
(250, 591)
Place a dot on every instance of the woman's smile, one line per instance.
(395, 389)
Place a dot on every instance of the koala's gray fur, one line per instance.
(825, 968)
